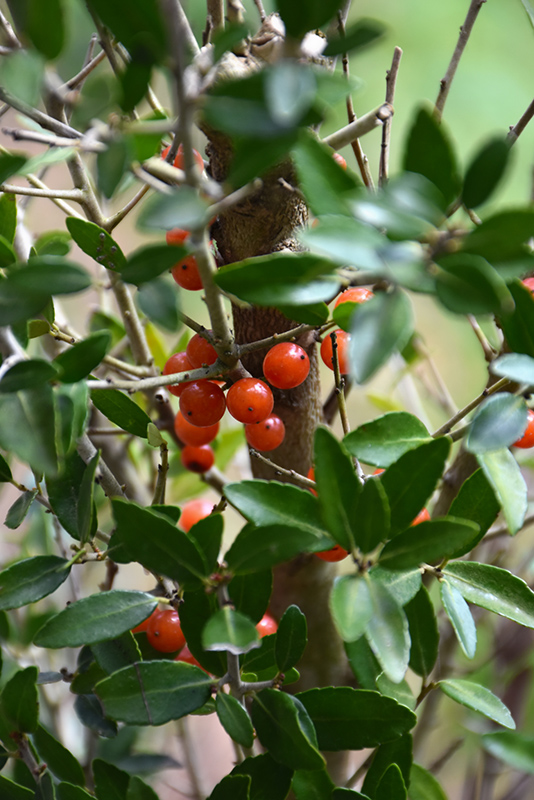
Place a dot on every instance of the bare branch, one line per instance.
(518, 129)
(77, 80)
(61, 194)
(215, 9)
(51, 124)
(391, 80)
(444, 430)
(370, 121)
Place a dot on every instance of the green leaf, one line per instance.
(14, 791)
(139, 790)
(184, 208)
(468, 284)
(313, 784)
(89, 712)
(112, 163)
(502, 236)
(270, 780)
(300, 16)
(338, 488)
(475, 501)
(410, 481)
(53, 243)
(63, 493)
(423, 785)
(253, 156)
(195, 611)
(251, 593)
(373, 516)
(518, 326)
(257, 549)
(429, 151)
(158, 299)
(291, 638)
(96, 243)
(327, 187)
(10, 164)
(230, 630)
(515, 749)
(110, 781)
(232, 787)
(86, 508)
(5, 471)
(485, 172)
(27, 375)
(147, 263)
(68, 791)
(359, 35)
(72, 402)
(7, 253)
(379, 327)
(478, 698)
(280, 279)
(58, 759)
(493, 588)
(391, 785)
(514, 366)
(403, 585)
(290, 89)
(128, 19)
(18, 511)
(8, 211)
(207, 533)
(397, 752)
(345, 241)
(167, 551)
(43, 23)
(351, 606)
(387, 632)
(352, 719)
(120, 409)
(424, 633)
(234, 719)
(27, 427)
(95, 619)
(45, 276)
(115, 654)
(498, 422)
(83, 357)
(285, 729)
(31, 579)
(20, 700)
(385, 439)
(427, 542)
(504, 475)
(461, 619)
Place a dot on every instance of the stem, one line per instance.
(518, 129)
(261, 10)
(79, 78)
(215, 10)
(107, 479)
(276, 338)
(370, 121)
(51, 194)
(465, 32)
(144, 384)
(391, 80)
(288, 473)
(444, 430)
(42, 119)
(163, 469)
(113, 221)
(489, 352)
(114, 363)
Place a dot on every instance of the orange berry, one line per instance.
(202, 403)
(335, 553)
(144, 624)
(343, 340)
(249, 400)
(176, 236)
(193, 511)
(192, 434)
(311, 477)
(354, 294)
(164, 631)
(267, 434)
(340, 160)
(186, 274)
(529, 283)
(200, 352)
(197, 459)
(266, 625)
(527, 440)
(423, 516)
(178, 362)
(286, 365)
(179, 161)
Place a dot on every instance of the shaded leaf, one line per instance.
(424, 786)
(478, 698)
(58, 759)
(485, 172)
(382, 441)
(83, 357)
(429, 151)
(31, 579)
(387, 632)
(291, 638)
(515, 749)
(468, 284)
(27, 427)
(424, 634)
(230, 630)
(427, 542)
(234, 719)
(351, 606)
(20, 700)
(461, 619)
(27, 375)
(505, 477)
(121, 410)
(18, 511)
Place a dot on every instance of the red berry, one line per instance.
(343, 340)
(144, 624)
(176, 236)
(192, 434)
(335, 553)
(193, 511)
(164, 631)
(423, 516)
(198, 459)
(178, 362)
(202, 403)
(311, 477)
(527, 440)
(186, 274)
(340, 160)
(249, 400)
(187, 657)
(286, 365)
(355, 294)
(529, 283)
(200, 352)
(267, 434)
(266, 625)
(179, 157)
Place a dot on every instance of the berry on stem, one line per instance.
(266, 625)
(202, 403)
(144, 624)
(527, 440)
(249, 400)
(286, 365)
(335, 553)
(179, 160)
(164, 631)
(200, 352)
(198, 459)
(267, 434)
(186, 274)
(340, 160)
(343, 340)
(354, 294)
(178, 362)
(193, 511)
(192, 434)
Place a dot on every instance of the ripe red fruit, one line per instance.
(186, 274)
(192, 434)
(340, 160)
(187, 657)
(354, 294)
(144, 624)
(529, 283)
(164, 631)
(335, 553)
(311, 477)
(202, 403)
(200, 352)
(266, 625)
(176, 236)
(249, 400)
(193, 511)
(343, 340)
(179, 157)
(286, 365)
(527, 440)
(178, 362)
(198, 459)
(423, 516)
(267, 434)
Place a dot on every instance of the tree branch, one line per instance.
(367, 123)
(391, 80)
(518, 129)
(51, 124)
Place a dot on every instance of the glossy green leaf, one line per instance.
(461, 619)
(505, 477)
(493, 588)
(424, 633)
(352, 719)
(158, 299)
(196, 610)
(120, 409)
(14, 791)
(327, 187)
(382, 441)
(428, 542)
(184, 208)
(348, 794)
(232, 787)
(424, 786)
(110, 781)
(18, 511)
(515, 749)
(498, 422)
(257, 549)
(115, 654)
(359, 35)
(475, 501)
(27, 375)
(5, 471)
(338, 488)
(280, 279)
(63, 493)
(251, 593)
(72, 402)
(373, 517)
(345, 241)
(387, 632)
(410, 481)
(263, 658)
(312, 784)
(96, 618)
(69, 791)
(167, 551)
(397, 752)
(234, 719)
(53, 243)
(96, 242)
(478, 698)
(351, 606)
(403, 585)
(139, 790)
(147, 263)
(44, 276)
(7, 253)
(379, 327)
(112, 163)
(514, 366)
(518, 326)
(207, 533)
(270, 780)
(10, 164)
(154, 692)
(429, 151)
(88, 709)
(58, 758)
(285, 729)
(468, 284)
(85, 507)
(79, 360)
(485, 172)
(300, 16)
(29, 580)
(391, 785)
(502, 236)
(20, 700)
(230, 630)
(291, 638)
(27, 427)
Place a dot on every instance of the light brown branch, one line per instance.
(42, 119)
(373, 119)
(463, 412)
(518, 129)
(391, 80)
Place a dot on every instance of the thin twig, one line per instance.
(276, 338)
(288, 473)
(21, 135)
(518, 129)
(161, 482)
(261, 10)
(145, 384)
(113, 221)
(490, 354)
(78, 79)
(42, 119)
(463, 412)
(51, 194)
(114, 363)
(391, 80)
(215, 10)
(10, 34)
(373, 119)
(235, 198)
(465, 32)
(502, 530)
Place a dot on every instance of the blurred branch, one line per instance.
(51, 124)
(444, 430)
(215, 9)
(391, 80)
(367, 123)
(518, 129)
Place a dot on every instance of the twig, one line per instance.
(78, 79)
(444, 757)
(21, 135)
(215, 9)
(490, 354)
(9, 32)
(445, 397)
(114, 363)
(144, 384)
(370, 121)
(276, 338)
(518, 129)
(463, 412)
(52, 194)
(261, 10)
(391, 80)
(501, 530)
(42, 119)
(288, 473)
(163, 469)
(465, 32)
(107, 479)
(339, 385)
(38, 183)
(113, 221)
(235, 198)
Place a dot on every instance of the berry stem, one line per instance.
(161, 482)
(288, 473)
